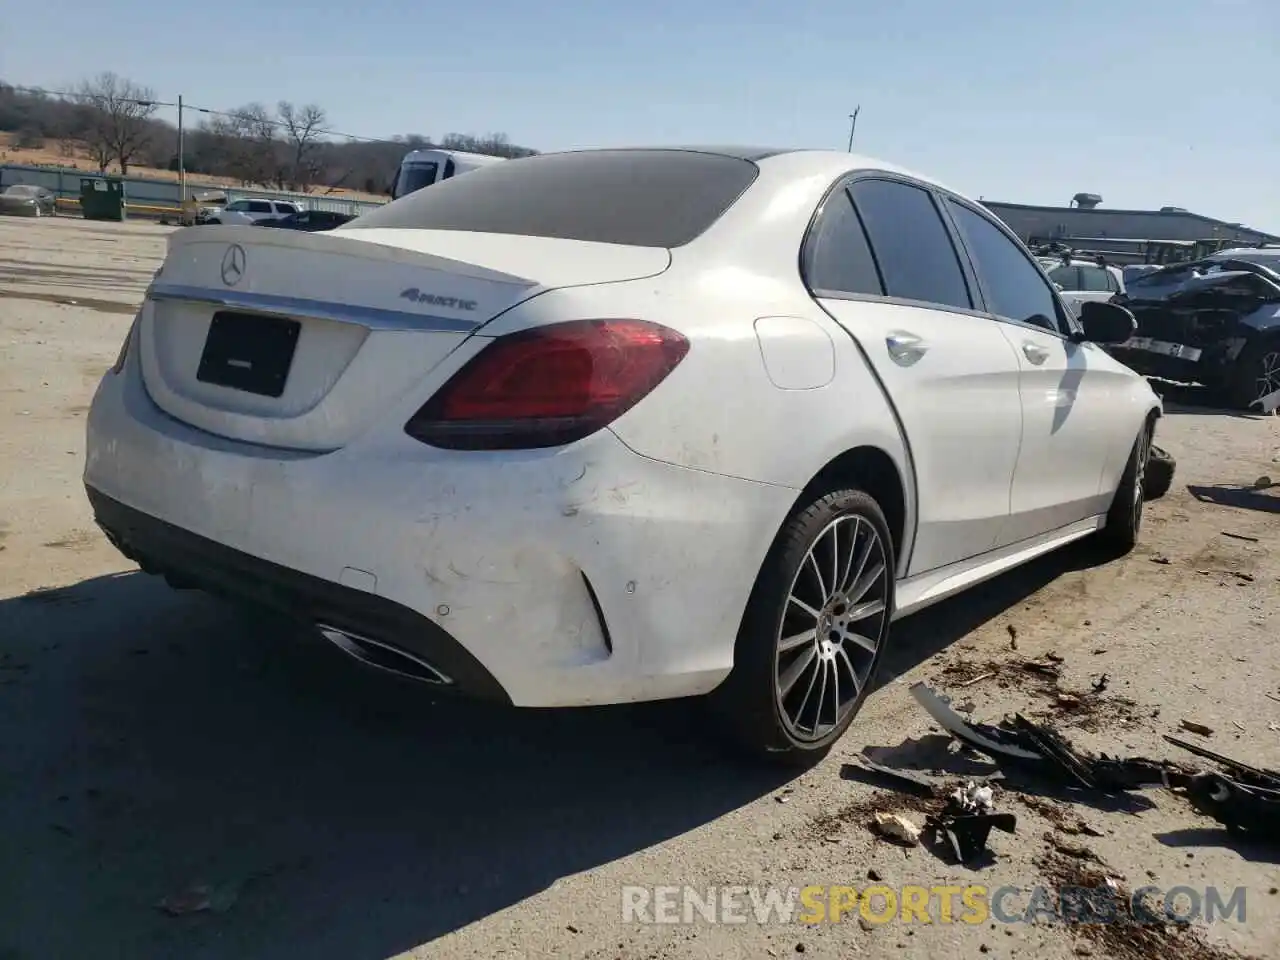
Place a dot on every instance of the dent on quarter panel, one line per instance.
(797, 353)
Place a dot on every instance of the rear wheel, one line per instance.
(814, 630)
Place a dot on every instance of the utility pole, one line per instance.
(182, 159)
(853, 125)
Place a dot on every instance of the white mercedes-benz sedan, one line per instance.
(621, 425)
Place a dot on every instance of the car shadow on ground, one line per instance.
(922, 635)
(159, 740)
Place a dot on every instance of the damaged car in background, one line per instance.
(1214, 321)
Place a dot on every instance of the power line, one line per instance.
(182, 107)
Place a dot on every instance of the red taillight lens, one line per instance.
(548, 386)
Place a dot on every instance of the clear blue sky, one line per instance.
(1147, 102)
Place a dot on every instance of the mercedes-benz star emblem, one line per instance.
(233, 265)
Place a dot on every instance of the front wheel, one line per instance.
(1124, 519)
(814, 631)
(1256, 374)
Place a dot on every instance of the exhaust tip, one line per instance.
(383, 657)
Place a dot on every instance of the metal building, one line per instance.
(1089, 219)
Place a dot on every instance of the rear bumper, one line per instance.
(161, 548)
(584, 575)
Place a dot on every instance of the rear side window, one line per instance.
(1096, 279)
(1015, 288)
(646, 198)
(1068, 278)
(912, 246)
(840, 259)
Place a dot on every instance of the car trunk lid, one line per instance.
(295, 339)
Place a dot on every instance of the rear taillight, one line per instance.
(124, 348)
(549, 385)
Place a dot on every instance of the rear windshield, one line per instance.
(645, 198)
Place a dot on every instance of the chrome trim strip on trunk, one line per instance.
(376, 318)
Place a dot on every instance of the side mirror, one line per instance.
(1105, 322)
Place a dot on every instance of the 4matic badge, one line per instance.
(434, 299)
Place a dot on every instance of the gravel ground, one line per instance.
(156, 740)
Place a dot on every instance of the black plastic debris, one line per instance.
(1042, 749)
(966, 822)
(1248, 800)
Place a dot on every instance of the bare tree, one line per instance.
(246, 144)
(123, 110)
(302, 127)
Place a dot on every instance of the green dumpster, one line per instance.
(102, 198)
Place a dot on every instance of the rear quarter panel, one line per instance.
(722, 409)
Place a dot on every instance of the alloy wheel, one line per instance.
(1268, 379)
(831, 629)
(1139, 477)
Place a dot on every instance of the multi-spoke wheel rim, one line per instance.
(831, 628)
(1140, 478)
(1268, 380)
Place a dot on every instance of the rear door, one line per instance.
(1069, 392)
(882, 262)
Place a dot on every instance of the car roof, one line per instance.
(798, 160)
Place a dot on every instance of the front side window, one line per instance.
(911, 243)
(239, 206)
(259, 206)
(1015, 289)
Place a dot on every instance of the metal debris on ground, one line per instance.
(895, 827)
(1239, 536)
(1192, 727)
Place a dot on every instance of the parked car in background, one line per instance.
(254, 210)
(617, 425)
(28, 200)
(309, 220)
(422, 168)
(1214, 321)
(1083, 280)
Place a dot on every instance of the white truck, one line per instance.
(421, 168)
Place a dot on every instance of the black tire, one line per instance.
(749, 702)
(1158, 477)
(1257, 367)
(1124, 519)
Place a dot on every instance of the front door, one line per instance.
(1068, 391)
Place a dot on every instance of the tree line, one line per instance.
(111, 120)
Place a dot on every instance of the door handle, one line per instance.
(905, 347)
(1035, 353)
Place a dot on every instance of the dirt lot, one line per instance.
(153, 740)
